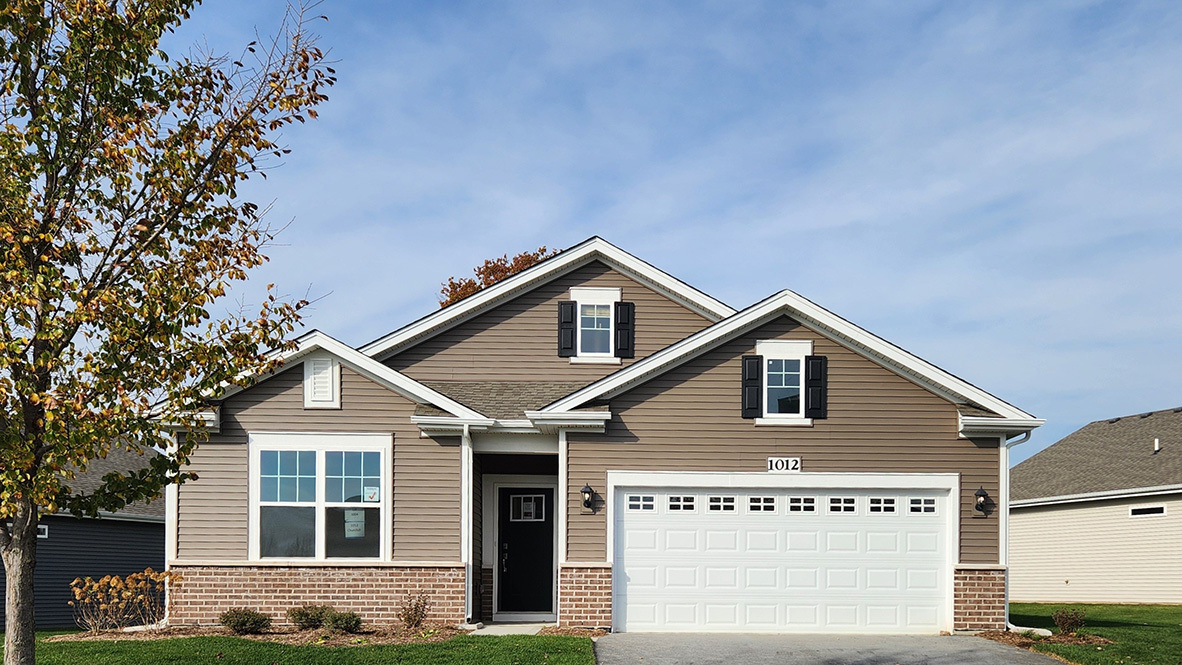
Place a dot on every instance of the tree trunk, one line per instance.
(20, 558)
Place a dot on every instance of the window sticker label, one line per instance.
(371, 495)
(354, 524)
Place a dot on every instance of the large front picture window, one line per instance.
(320, 497)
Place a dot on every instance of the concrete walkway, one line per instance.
(698, 649)
(510, 628)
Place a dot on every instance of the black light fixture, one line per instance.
(588, 496)
(981, 495)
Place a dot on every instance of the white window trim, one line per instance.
(334, 372)
(783, 349)
(42, 530)
(321, 443)
(1141, 517)
(588, 295)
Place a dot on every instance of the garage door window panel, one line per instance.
(802, 504)
(722, 504)
(843, 505)
(882, 505)
(923, 506)
(681, 503)
(761, 504)
(641, 502)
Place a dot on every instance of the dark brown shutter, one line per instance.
(816, 387)
(625, 330)
(566, 329)
(752, 395)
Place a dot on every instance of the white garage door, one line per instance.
(777, 560)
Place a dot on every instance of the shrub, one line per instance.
(113, 602)
(1068, 621)
(307, 617)
(414, 610)
(346, 622)
(245, 621)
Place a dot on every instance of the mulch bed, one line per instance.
(573, 632)
(1023, 641)
(369, 636)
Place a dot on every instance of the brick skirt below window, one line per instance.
(585, 597)
(375, 593)
(979, 599)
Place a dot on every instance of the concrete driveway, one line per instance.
(698, 649)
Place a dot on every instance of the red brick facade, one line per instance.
(979, 599)
(375, 593)
(585, 597)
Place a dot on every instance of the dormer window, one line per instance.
(595, 327)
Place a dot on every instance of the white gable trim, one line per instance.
(787, 302)
(369, 368)
(585, 252)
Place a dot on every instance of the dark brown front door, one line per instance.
(525, 580)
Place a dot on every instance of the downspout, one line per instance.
(466, 518)
(1006, 456)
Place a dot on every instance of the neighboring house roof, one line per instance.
(592, 249)
(1106, 458)
(504, 400)
(983, 407)
(121, 461)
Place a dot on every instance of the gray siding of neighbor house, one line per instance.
(1095, 552)
(517, 340)
(688, 419)
(212, 520)
(87, 548)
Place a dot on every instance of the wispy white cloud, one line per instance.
(993, 186)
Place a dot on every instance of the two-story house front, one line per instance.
(595, 442)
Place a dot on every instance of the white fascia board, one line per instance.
(860, 340)
(1097, 496)
(372, 370)
(567, 260)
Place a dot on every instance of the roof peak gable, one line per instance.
(809, 313)
(572, 258)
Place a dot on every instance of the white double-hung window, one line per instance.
(595, 324)
(783, 379)
(319, 496)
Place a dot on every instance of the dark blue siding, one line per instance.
(78, 548)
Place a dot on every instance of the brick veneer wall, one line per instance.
(585, 597)
(979, 599)
(375, 593)
(486, 594)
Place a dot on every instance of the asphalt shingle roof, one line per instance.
(1107, 455)
(503, 400)
(119, 460)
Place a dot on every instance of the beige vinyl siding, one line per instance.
(212, 520)
(1095, 552)
(518, 340)
(688, 419)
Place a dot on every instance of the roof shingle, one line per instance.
(1107, 455)
(119, 460)
(504, 400)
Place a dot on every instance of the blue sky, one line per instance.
(993, 186)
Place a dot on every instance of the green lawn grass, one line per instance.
(463, 650)
(1141, 634)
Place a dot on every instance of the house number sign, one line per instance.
(783, 464)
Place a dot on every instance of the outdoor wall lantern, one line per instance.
(981, 495)
(588, 496)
